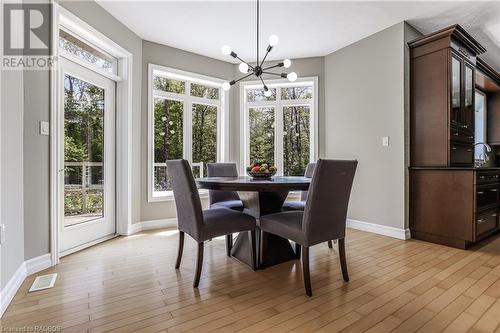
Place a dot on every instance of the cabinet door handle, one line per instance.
(481, 192)
(469, 150)
(493, 190)
(453, 148)
(455, 134)
(480, 221)
(493, 215)
(482, 177)
(471, 137)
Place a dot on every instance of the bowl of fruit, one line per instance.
(261, 169)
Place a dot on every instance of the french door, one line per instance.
(86, 177)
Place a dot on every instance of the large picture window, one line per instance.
(186, 120)
(282, 127)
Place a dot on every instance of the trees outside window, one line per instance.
(185, 114)
(280, 127)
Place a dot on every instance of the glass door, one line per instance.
(456, 91)
(469, 97)
(88, 157)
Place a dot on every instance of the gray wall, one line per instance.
(171, 57)
(36, 164)
(365, 99)
(11, 132)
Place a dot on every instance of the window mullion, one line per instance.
(188, 125)
(278, 132)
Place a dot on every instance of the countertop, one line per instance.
(454, 168)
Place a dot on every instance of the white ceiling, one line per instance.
(305, 28)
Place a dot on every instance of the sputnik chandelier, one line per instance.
(258, 70)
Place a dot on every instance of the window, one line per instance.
(282, 127)
(186, 120)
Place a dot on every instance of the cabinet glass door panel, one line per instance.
(456, 92)
(469, 97)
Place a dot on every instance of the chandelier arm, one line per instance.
(271, 73)
(265, 56)
(237, 57)
(241, 78)
(262, 80)
(273, 66)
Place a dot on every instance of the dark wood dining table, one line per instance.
(260, 197)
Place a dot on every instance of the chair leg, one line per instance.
(343, 262)
(179, 252)
(199, 265)
(330, 244)
(229, 244)
(305, 270)
(253, 248)
(297, 250)
(262, 250)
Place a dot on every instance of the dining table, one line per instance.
(260, 197)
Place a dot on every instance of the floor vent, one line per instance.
(43, 282)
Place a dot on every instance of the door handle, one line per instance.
(493, 190)
(481, 192)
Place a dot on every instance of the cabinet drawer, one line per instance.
(486, 197)
(461, 153)
(486, 222)
(461, 136)
(487, 177)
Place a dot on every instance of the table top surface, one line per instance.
(244, 183)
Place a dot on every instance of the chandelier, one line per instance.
(258, 70)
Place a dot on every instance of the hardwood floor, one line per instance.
(129, 284)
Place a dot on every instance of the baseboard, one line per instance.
(38, 264)
(379, 229)
(153, 224)
(28, 267)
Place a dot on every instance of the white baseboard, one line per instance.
(153, 224)
(27, 268)
(379, 229)
(38, 264)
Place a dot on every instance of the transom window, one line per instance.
(282, 127)
(186, 120)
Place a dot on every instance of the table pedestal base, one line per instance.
(271, 249)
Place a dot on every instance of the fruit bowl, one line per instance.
(261, 169)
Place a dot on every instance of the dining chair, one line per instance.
(324, 215)
(224, 199)
(201, 224)
(301, 204)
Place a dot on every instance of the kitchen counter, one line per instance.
(454, 168)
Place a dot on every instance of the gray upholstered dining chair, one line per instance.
(324, 216)
(201, 224)
(300, 205)
(224, 199)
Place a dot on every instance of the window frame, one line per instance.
(278, 105)
(187, 137)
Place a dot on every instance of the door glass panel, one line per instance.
(261, 133)
(204, 137)
(480, 126)
(455, 90)
(469, 93)
(296, 136)
(83, 151)
(167, 140)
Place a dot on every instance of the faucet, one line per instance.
(488, 147)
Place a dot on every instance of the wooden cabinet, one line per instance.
(454, 207)
(442, 68)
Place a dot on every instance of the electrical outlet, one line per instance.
(385, 141)
(2, 233)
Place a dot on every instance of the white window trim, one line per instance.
(123, 198)
(278, 105)
(222, 119)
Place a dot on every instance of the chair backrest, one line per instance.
(328, 199)
(309, 174)
(222, 170)
(187, 198)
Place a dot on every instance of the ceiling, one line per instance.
(305, 28)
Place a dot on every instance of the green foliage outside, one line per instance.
(83, 142)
